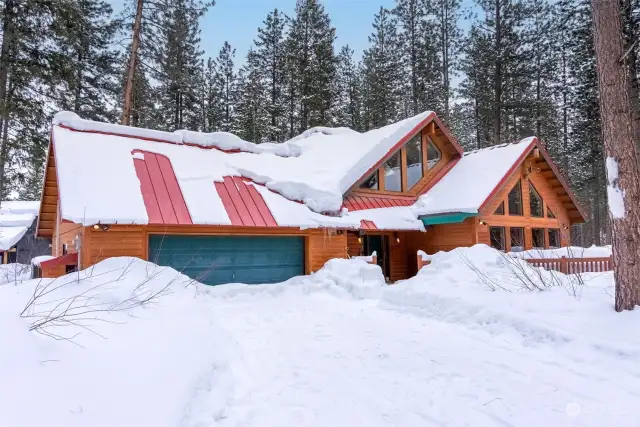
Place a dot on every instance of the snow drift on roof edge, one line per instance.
(316, 167)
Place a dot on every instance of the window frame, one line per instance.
(504, 237)
(544, 238)
(425, 140)
(557, 230)
(508, 204)
(522, 243)
(500, 208)
(533, 191)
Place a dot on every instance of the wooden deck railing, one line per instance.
(574, 265)
(564, 265)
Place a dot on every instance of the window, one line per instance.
(414, 160)
(517, 239)
(500, 210)
(550, 214)
(554, 238)
(393, 173)
(515, 200)
(537, 235)
(497, 238)
(535, 202)
(371, 182)
(433, 154)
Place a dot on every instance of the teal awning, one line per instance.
(450, 218)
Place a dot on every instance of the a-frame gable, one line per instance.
(536, 166)
(432, 130)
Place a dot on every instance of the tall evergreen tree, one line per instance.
(270, 61)
(252, 99)
(226, 86)
(310, 44)
(382, 72)
(84, 61)
(179, 72)
(348, 91)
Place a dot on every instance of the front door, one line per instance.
(378, 244)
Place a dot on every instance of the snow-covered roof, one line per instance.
(473, 179)
(15, 219)
(98, 181)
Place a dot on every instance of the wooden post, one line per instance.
(564, 265)
(5, 258)
(420, 262)
(374, 259)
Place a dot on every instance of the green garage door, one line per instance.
(214, 260)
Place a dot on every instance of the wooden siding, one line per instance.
(416, 241)
(49, 200)
(550, 199)
(118, 240)
(68, 233)
(322, 246)
(354, 247)
(398, 260)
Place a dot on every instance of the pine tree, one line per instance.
(449, 40)
(382, 73)
(226, 86)
(348, 91)
(417, 41)
(179, 72)
(270, 62)
(252, 99)
(310, 44)
(84, 61)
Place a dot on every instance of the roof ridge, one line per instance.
(526, 140)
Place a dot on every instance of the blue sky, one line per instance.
(237, 22)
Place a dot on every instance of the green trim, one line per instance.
(450, 218)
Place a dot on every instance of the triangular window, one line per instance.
(515, 200)
(535, 203)
(371, 182)
(433, 154)
(500, 210)
(550, 214)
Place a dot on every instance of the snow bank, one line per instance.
(569, 252)
(484, 289)
(14, 273)
(131, 365)
(345, 278)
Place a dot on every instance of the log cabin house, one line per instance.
(223, 210)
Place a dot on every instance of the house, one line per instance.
(18, 243)
(222, 210)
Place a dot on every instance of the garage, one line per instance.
(215, 260)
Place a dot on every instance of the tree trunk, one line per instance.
(623, 174)
(631, 61)
(497, 78)
(5, 62)
(133, 59)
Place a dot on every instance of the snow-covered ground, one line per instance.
(14, 273)
(338, 348)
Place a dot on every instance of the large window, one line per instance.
(407, 167)
(393, 173)
(414, 160)
(554, 238)
(433, 154)
(515, 200)
(517, 239)
(497, 238)
(371, 182)
(537, 236)
(535, 202)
